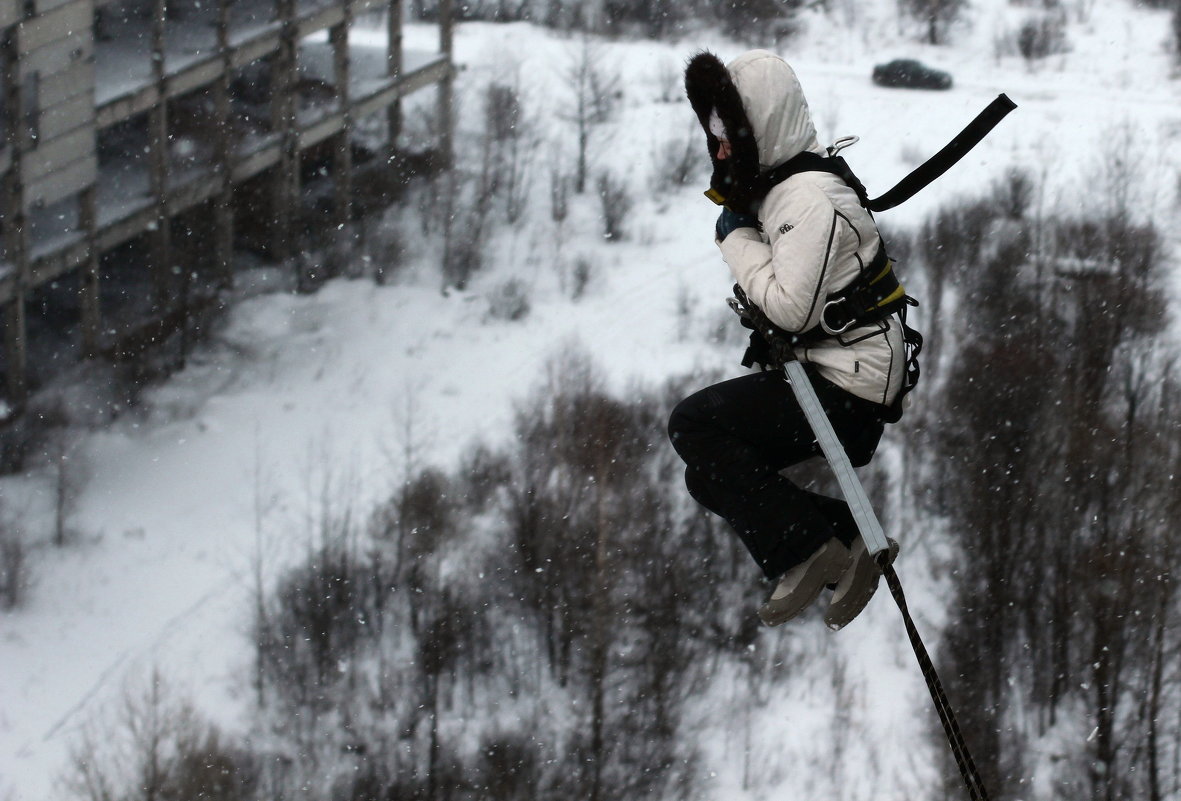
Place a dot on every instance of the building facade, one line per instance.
(121, 117)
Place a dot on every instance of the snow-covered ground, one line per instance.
(300, 398)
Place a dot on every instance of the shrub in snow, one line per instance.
(1042, 35)
(426, 513)
(69, 479)
(508, 143)
(502, 112)
(485, 472)
(1175, 25)
(509, 301)
(383, 247)
(559, 195)
(463, 245)
(594, 94)
(530, 628)
(581, 276)
(313, 622)
(157, 747)
(756, 20)
(511, 766)
(14, 565)
(615, 202)
(650, 18)
(670, 82)
(1014, 193)
(677, 161)
(935, 16)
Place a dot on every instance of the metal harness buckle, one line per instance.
(824, 319)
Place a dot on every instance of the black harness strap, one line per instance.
(807, 161)
(909, 186)
(942, 161)
(875, 294)
(905, 189)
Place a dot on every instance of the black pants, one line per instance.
(736, 436)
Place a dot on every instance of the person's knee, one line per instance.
(681, 425)
(862, 447)
(697, 485)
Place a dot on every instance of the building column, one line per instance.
(16, 235)
(91, 311)
(158, 159)
(394, 70)
(342, 167)
(223, 213)
(283, 115)
(446, 86)
(14, 349)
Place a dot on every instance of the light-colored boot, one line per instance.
(799, 586)
(856, 586)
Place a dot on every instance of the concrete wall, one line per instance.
(57, 105)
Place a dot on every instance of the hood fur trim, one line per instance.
(709, 87)
(760, 102)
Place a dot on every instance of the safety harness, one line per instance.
(876, 292)
(858, 310)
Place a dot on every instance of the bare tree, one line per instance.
(566, 567)
(14, 565)
(757, 19)
(936, 16)
(594, 94)
(465, 209)
(678, 160)
(66, 466)
(406, 460)
(510, 142)
(615, 202)
(263, 501)
(1053, 482)
(158, 749)
(14, 559)
(1175, 30)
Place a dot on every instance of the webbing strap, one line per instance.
(942, 161)
(838, 460)
(876, 544)
(905, 189)
(951, 727)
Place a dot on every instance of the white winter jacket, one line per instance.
(815, 238)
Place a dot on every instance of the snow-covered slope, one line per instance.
(302, 398)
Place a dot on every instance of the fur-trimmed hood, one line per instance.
(760, 102)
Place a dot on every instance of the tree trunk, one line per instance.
(599, 634)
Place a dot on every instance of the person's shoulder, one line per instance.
(804, 190)
(818, 190)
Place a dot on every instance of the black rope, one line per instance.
(951, 727)
(780, 353)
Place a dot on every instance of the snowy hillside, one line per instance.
(303, 405)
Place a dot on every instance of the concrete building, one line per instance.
(124, 119)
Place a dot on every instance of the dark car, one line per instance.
(910, 74)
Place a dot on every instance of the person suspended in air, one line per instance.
(799, 241)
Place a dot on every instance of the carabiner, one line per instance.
(824, 322)
(841, 144)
